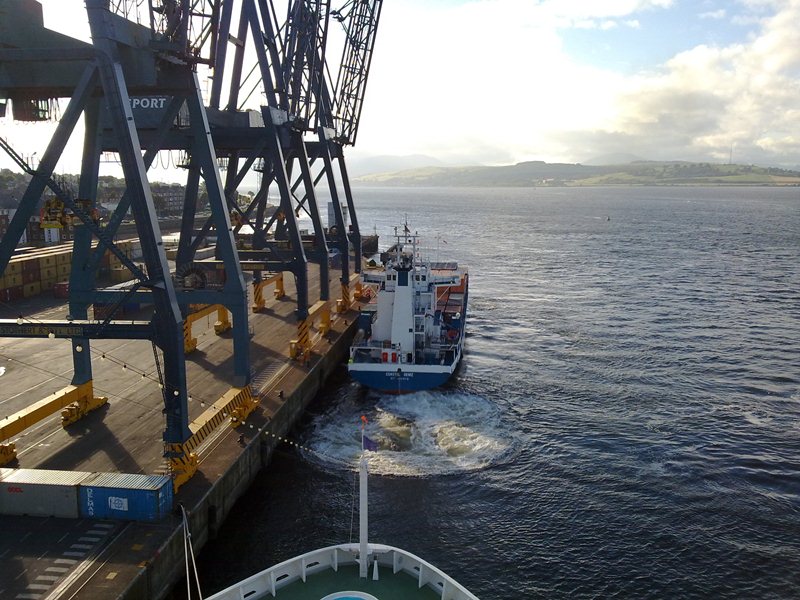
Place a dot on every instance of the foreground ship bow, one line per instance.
(412, 334)
(362, 571)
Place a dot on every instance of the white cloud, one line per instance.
(707, 99)
(497, 72)
(713, 14)
(490, 81)
(492, 70)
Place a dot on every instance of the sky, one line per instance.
(503, 81)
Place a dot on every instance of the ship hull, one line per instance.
(390, 381)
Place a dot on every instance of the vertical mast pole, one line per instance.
(363, 519)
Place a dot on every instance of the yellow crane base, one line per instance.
(234, 406)
(81, 407)
(258, 291)
(74, 401)
(183, 467)
(8, 453)
(221, 325)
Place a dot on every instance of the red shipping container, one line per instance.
(101, 311)
(30, 265)
(61, 290)
(13, 293)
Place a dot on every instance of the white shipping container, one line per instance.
(136, 249)
(40, 493)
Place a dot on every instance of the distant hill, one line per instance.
(538, 173)
(358, 167)
(613, 159)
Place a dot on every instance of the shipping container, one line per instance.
(40, 493)
(120, 274)
(11, 293)
(13, 280)
(48, 261)
(136, 249)
(49, 272)
(48, 284)
(61, 290)
(126, 496)
(101, 311)
(31, 289)
(205, 253)
(29, 264)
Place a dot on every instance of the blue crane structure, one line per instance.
(137, 89)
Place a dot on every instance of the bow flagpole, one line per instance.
(363, 519)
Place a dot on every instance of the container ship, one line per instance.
(411, 335)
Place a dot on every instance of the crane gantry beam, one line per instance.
(137, 89)
(120, 62)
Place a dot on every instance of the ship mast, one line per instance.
(363, 509)
(363, 516)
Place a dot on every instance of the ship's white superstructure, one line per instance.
(412, 334)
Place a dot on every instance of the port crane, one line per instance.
(137, 88)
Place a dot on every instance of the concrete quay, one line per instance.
(50, 558)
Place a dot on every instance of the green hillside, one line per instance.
(537, 173)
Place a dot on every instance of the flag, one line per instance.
(406, 229)
(370, 445)
(363, 419)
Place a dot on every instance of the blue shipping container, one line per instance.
(126, 496)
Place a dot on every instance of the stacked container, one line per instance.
(32, 271)
(40, 493)
(47, 267)
(73, 494)
(126, 496)
(12, 282)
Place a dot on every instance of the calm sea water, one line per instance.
(626, 421)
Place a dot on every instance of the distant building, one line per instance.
(168, 199)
